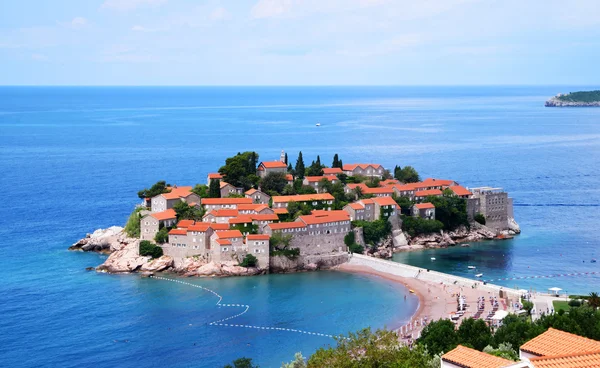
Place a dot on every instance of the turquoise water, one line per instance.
(72, 160)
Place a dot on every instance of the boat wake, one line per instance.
(246, 308)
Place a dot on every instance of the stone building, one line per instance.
(151, 223)
(493, 204)
(368, 170)
(210, 204)
(228, 189)
(372, 209)
(213, 176)
(424, 210)
(258, 196)
(163, 202)
(314, 182)
(267, 167)
(324, 200)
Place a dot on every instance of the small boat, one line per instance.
(472, 267)
(411, 291)
(433, 258)
(465, 245)
(593, 260)
(318, 124)
(479, 275)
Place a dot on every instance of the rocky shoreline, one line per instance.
(556, 102)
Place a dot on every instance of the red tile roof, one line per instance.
(384, 201)
(303, 198)
(265, 217)
(332, 216)
(312, 179)
(430, 192)
(222, 201)
(366, 201)
(424, 206)
(258, 237)
(199, 226)
(556, 342)
(185, 223)
(356, 206)
(273, 164)
(228, 234)
(177, 192)
(404, 187)
(223, 213)
(383, 190)
(164, 215)
(178, 232)
(289, 177)
(251, 191)
(581, 360)
(471, 358)
(351, 167)
(332, 171)
(280, 211)
(389, 182)
(219, 227)
(459, 190)
(223, 242)
(437, 182)
(243, 219)
(286, 225)
(215, 176)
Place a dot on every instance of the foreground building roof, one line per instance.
(424, 206)
(555, 342)
(164, 215)
(303, 198)
(465, 357)
(221, 201)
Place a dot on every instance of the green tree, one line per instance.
(504, 350)
(249, 261)
(407, 174)
(374, 231)
(350, 238)
(315, 168)
(336, 161)
(450, 210)
(132, 226)
(373, 182)
(214, 190)
(516, 331)
(479, 217)
(439, 337)
(159, 188)
(162, 236)
(242, 363)
(325, 185)
(184, 211)
(298, 362)
(147, 248)
(475, 333)
(594, 300)
(202, 190)
(286, 159)
(358, 191)
(417, 226)
(274, 181)
(405, 204)
(300, 169)
(366, 349)
(240, 170)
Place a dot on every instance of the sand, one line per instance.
(436, 300)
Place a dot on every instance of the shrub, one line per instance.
(132, 227)
(574, 303)
(148, 248)
(350, 238)
(249, 261)
(479, 217)
(162, 236)
(356, 248)
(374, 231)
(417, 226)
(159, 188)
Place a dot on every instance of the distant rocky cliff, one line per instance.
(577, 99)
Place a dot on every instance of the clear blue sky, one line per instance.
(295, 42)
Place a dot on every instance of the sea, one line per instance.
(73, 158)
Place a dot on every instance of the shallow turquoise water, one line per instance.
(72, 160)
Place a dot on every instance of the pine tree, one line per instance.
(286, 159)
(290, 169)
(341, 164)
(300, 166)
(318, 160)
(214, 190)
(336, 161)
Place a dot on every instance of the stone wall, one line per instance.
(282, 264)
(320, 244)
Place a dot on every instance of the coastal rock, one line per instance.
(125, 260)
(513, 226)
(158, 264)
(399, 238)
(104, 240)
(556, 102)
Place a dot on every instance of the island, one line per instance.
(252, 217)
(575, 99)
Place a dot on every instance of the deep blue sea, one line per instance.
(72, 160)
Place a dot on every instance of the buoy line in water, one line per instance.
(545, 276)
(246, 308)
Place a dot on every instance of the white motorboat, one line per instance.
(433, 258)
(479, 275)
(472, 267)
(318, 124)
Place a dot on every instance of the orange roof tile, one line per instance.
(223, 242)
(384, 201)
(185, 223)
(332, 216)
(223, 213)
(381, 190)
(228, 234)
(581, 360)
(332, 171)
(273, 164)
(351, 167)
(164, 215)
(459, 190)
(389, 182)
(199, 226)
(243, 219)
(289, 177)
(219, 227)
(265, 217)
(258, 237)
(430, 192)
(404, 187)
(363, 186)
(215, 176)
(471, 358)
(356, 206)
(366, 201)
(437, 182)
(424, 206)
(312, 179)
(303, 198)
(222, 201)
(178, 232)
(280, 211)
(286, 225)
(251, 191)
(177, 192)
(556, 342)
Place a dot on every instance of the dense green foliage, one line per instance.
(374, 231)
(240, 170)
(159, 188)
(299, 169)
(439, 336)
(315, 168)
(132, 226)
(350, 241)
(241, 363)
(474, 333)
(249, 261)
(274, 182)
(162, 236)
(450, 210)
(405, 204)
(201, 190)
(356, 248)
(214, 189)
(148, 248)
(582, 96)
(184, 211)
(417, 226)
(366, 349)
(479, 217)
(280, 246)
(406, 174)
(336, 162)
(298, 362)
(504, 350)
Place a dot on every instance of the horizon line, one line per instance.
(295, 85)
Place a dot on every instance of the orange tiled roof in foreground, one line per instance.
(274, 164)
(582, 360)
(164, 215)
(556, 342)
(459, 190)
(215, 176)
(222, 201)
(303, 198)
(384, 201)
(471, 358)
(258, 237)
(332, 171)
(178, 232)
(227, 234)
(177, 192)
(424, 206)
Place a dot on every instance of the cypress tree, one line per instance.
(336, 161)
(300, 166)
(286, 159)
(341, 164)
(318, 161)
(214, 190)
(290, 168)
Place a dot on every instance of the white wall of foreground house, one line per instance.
(403, 270)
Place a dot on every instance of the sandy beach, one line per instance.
(436, 300)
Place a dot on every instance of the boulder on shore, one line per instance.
(104, 240)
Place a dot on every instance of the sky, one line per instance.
(299, 42)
